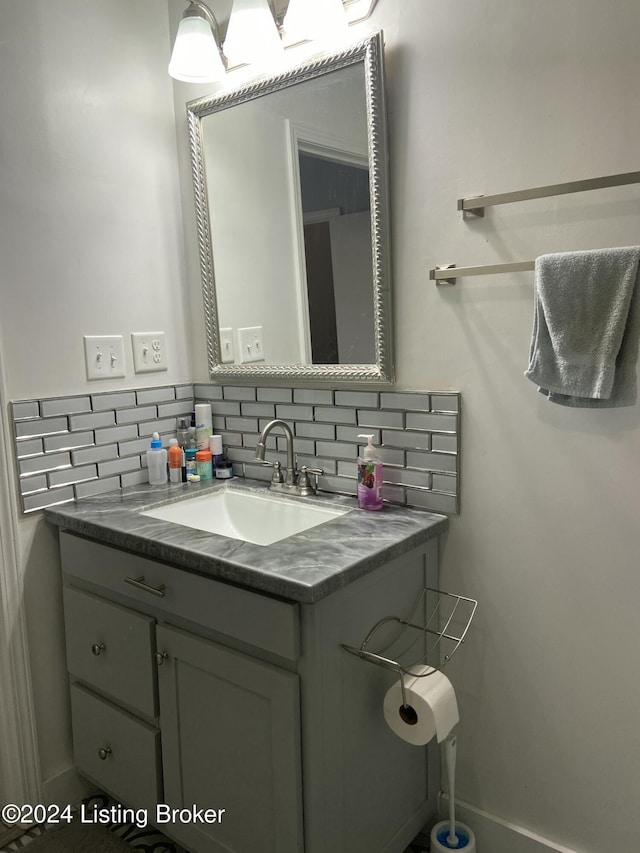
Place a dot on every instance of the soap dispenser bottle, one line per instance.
(157, 462)
(369, 477)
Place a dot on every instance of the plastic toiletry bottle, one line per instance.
(157, 462)
(369, 477)
(175, 461)
(204, 467)
(182, 431)
(204, 425)
(215, 446)
(223, 469)
(190, 461)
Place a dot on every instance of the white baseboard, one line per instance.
(67, 788)
(495, 835)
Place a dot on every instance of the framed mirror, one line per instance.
(291, 189)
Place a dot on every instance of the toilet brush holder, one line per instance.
(441, 840)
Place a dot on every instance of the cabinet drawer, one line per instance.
(115, 750)
(111, 648)
(250, 617)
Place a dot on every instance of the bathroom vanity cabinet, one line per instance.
(192, 691)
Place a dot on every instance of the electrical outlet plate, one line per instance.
(251, 344)
(226, 346)
(104, 356)
(149, 351)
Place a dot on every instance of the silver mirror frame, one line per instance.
(369, 51)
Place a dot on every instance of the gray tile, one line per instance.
(407, 440)
(376, 418)
(26, 409)
(417, 402)
(441, 423)
(97, 487)
(337, 450)
(118, 466)
(93, 421)
(29, 447)
(94, 454)
(137, 446)
(348, 469)
(392, 456)
(432, 461)
(275, 395)
(68, 441)
(394, 494)
(119, 433)
(339, 485)
(445, 483)
(258, 410)
(134, 478)
(155, 395)
(445, 402)
(137, 414)
(403, 477)
(242, 424)
(51, 497)
(232, 392)
(72, 475)
(205, 392)
(432, 501)
(445, 443)
(335, 415)
(65, 406)
(168, 425)
(118, 400)
(307, 430)
(294, 413)
(319, 396)
(184, 392)
(33, 484)
(179, 409)
(48, 462)
(257, 472)
(41, 426)
(329, 466)
(359, 399)
(351, 433)
(226, 409)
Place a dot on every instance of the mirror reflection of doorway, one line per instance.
(336, 214)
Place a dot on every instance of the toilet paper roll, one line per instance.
(432, 709)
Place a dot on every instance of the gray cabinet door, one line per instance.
(230, 740)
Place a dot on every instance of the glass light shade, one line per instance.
(313, 20)
(195, 57)
(252, 34)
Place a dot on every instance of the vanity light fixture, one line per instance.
(252, 34)
(315, 20)
(196, 56)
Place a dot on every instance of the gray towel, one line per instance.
(585, 330)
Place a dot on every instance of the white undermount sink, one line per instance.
(261, 519)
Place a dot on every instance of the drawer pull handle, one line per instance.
(104, 752)
(140, 584)
(161, 657)
(97, 649)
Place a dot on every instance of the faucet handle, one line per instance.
(304, 483)
(277, 472)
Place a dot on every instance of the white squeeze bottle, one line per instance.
(369, 477)
(157, 462)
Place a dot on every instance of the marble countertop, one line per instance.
(304, 567)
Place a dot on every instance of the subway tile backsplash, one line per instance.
(72, 447)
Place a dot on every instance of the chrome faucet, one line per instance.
(294, 482)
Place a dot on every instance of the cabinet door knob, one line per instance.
(161, 657)
(103, 752)
(97, 649)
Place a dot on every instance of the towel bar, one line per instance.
(442, 274)
(474, 206)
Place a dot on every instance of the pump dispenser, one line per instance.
(157, 462)
(369, 477)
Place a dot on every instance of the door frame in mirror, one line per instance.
(369, 52)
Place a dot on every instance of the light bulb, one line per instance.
(195, 57)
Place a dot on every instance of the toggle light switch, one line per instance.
(104, 356)
(149, 351)
(251, 344)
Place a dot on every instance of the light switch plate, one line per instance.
(149, 351)
(226, 346)
(104, 356)
(251, 344)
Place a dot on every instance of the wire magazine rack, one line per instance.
(434, 631)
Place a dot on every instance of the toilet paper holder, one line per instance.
(435, 630)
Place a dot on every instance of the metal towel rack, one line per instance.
(475, 205)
